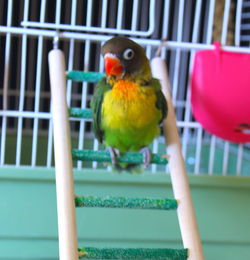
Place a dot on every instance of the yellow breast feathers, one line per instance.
(129, 105)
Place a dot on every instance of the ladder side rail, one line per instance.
(63, 159)
(185, 211)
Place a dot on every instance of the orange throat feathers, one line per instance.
(125, 90)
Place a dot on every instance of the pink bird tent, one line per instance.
(220, 93)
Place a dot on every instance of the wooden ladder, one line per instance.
(66, 201)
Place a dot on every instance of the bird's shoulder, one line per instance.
(96, 103)
(101, 87)
(152, 82)
(161, 102)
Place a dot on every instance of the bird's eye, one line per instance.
(128, 54)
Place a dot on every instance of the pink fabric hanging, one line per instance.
(220, 93)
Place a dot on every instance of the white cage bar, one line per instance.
(89, 34)
(103, 29)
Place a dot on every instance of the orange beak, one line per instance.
(112, 65)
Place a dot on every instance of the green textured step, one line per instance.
(121, 202)
(80, 113)
(84, 76)
(133, 253)
(103, 156)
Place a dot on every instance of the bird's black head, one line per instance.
(123, 57)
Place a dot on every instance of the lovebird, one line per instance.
(128, 105)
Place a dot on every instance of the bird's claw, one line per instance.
(147, 156)
(114, 153)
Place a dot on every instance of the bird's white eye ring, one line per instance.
(128, 54)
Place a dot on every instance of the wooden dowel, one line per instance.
(185, 211)
(63, 159)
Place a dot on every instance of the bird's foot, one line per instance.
(147, 156)
(114, 153)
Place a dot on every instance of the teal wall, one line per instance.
(28, 221)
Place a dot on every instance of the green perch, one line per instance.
(133, 253)
(121, 202)
(103, 156)
(84, 76)
(80, 113)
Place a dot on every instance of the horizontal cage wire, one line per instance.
(111, 18)
(27, 29)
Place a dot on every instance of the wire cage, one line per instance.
(27, 29)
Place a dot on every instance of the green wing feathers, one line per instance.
(161, 102)
(96, 104)
(96, 107)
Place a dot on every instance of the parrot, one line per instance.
(128, 105)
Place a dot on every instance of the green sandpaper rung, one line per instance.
(80, 113)
(121, 202)
(133, 253)
(103, 156)
(84, 76)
